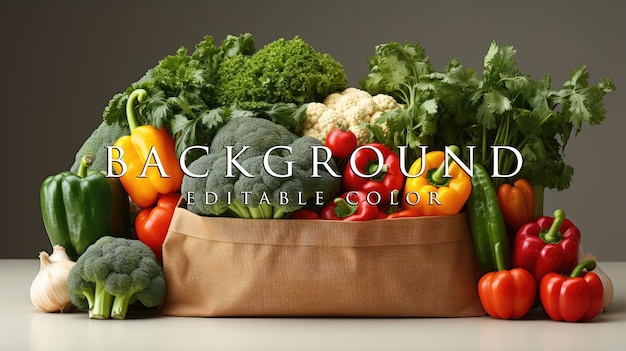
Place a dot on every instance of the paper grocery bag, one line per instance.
(405, 267)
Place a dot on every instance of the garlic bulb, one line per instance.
(59, 254)
(48, 291)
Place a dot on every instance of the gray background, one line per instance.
(62, 61)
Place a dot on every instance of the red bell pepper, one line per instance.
(383, 179)
(547, 245)
(574, 298)
(351, 206)
(304, 213)
(152, 223)
(404, 214)
(507, 294)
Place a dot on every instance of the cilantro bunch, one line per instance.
(503, 106)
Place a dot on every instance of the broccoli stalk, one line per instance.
(100, 308)
(264, 210)
(239, 209)
(120, 305)
(90, 296)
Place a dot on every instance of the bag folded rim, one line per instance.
(330, 232)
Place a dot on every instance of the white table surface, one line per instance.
(23, 327)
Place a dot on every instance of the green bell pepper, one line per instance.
(79, 208)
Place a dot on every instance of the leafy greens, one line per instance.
(502, 106)
(181, 92)
(186, 91)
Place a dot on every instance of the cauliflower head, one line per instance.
(351, 109)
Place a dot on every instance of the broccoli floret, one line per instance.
(289, 71)
(264, 195)
(114, 273)
(94, 146)
(256, 133)
(268, 196)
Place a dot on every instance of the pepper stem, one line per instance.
(139, 95)
(343, 209)
(437, 175)
(85, 163)
(553, 235)
(373, 167)
(500, 264)
(589, 265)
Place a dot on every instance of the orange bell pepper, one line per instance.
(150, 148)
(432, 194)
(517, 203)
(507, 294)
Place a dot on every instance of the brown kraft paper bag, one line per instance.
(405, 267)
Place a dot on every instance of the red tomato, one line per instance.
(341, 142)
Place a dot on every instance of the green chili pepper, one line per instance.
(79, 208)
(486, 221)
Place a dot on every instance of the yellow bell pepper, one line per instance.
(150, 148)
(432, 194)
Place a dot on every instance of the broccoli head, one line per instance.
(290, 71)
(113, 273)
(262, 187)
(95, 145)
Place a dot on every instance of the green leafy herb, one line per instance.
(404, 72)
(501, 107)
(181, 92)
